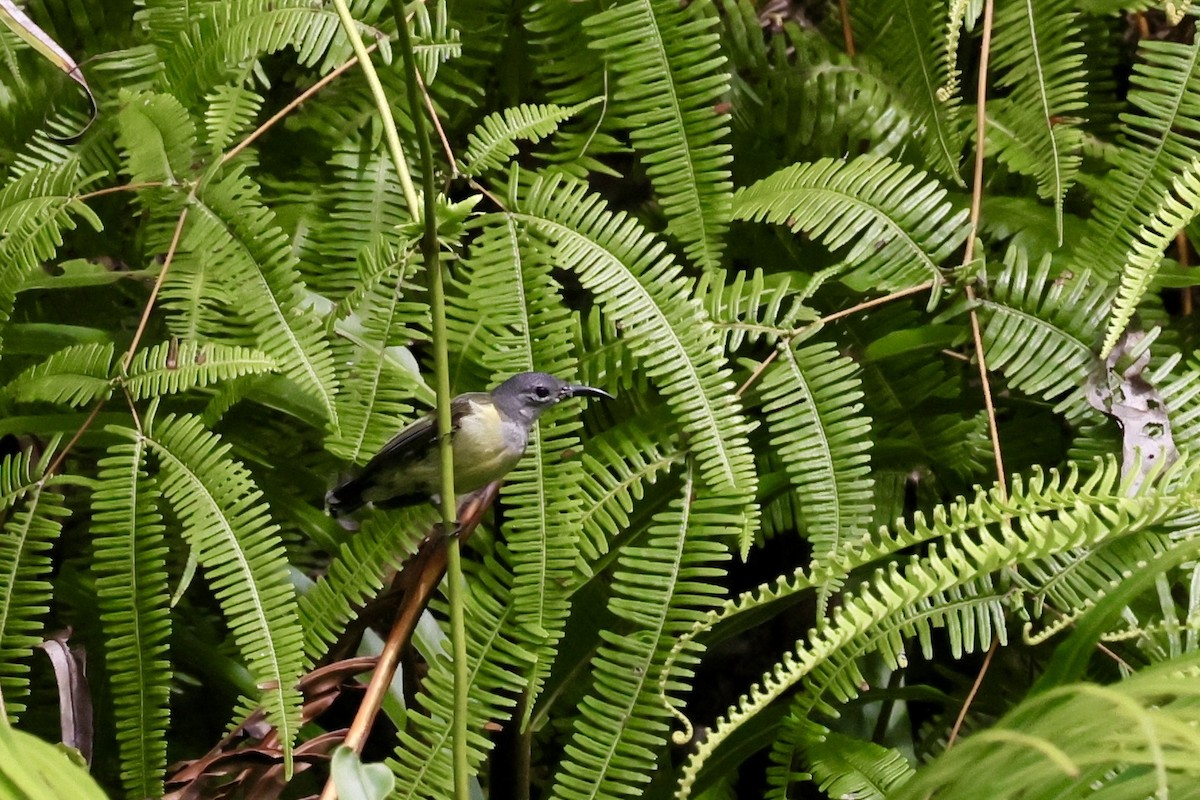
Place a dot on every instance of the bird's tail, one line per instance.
(346, 497)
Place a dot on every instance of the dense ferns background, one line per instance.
(786, 531)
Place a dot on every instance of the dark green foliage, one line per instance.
(786, 527)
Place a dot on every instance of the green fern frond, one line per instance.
(1177, 207)
(364, 206)
(667, 62)
(639, 286)
(753, 306)
(157, 137)
(18, 473)
(1039, 57)
(658, 587)
(907, 37)
(901, 393)
(230, 112)
(52, 145)
(234, 540)
(196, 299)
(812, 401)
(1071, 583)
(1181, 395)
(493, 142)
(899, 223)
(796, 97)
(177, 367)
(26, 540)
(1128, 741)
(1159, 141)
(1041, 331)
(422, 761)
(221, 41)
(434, 40)
(573, 74)
(355, 576)
(605, 357)
(840, 765)
(1040, 497)
(378, 392)
(132, 592)
(36, 208)
(951, 586)
(528, 329)
(619, 466)
(229, 230)
(74, 376)
(345, 113)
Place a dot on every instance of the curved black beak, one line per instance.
(588, 391)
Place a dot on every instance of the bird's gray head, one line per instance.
(527, 394)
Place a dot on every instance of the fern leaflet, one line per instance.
(1038, 52)
(1177, 207)
(641, 288)
(173, 368)
(132, 592)
(899, 223)
(658, 587)
(493, 142)
(26, 540)
(669, 79)
(1159, 142)
(812, 402)
(233, 539)
(74, 376)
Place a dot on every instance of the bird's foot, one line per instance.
(442, 531)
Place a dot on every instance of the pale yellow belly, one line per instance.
(481, 455)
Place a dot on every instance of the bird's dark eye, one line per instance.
(542, 392)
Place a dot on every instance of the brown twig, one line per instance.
(420, 577)
(962, 712)
(291, 106)
(1143, 25)
(91, 418)
(437, 124)
(847, 30)
(969, 255)
(976, 333)
(162, 276)
(956, 355)
(846, 312)
(62, 454)
(125, 187)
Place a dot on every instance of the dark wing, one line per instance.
(416, 442)
(410, 446)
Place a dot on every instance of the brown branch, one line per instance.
(419, 579)
(125, 187)
(62, 454)
(91, 418)
(962, 712)
(847, 30)
(976, 334)
(283, 112)
(969, 255)
(437, 124)
(162, 276)
(878, 301)
(956, 355)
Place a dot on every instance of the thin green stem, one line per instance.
(381, 103)
(441, 361)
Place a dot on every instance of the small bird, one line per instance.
(489, 431)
